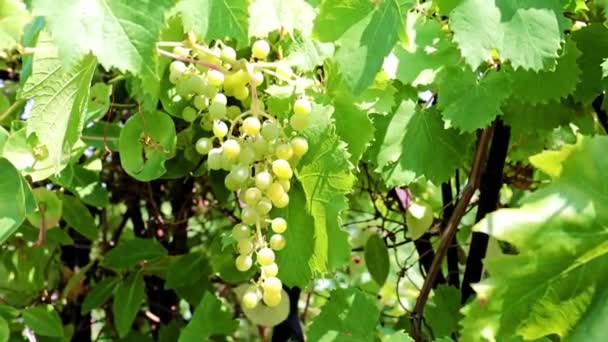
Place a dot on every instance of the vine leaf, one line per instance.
(59, 96)
(365, 43)
(526, 33)
(210, 318)
(592, 41)
(122, 34)
(377, 259)
(16, 199)
(349, 315)
(127, 301)
(216, 19)
(14, 18)
(43, 320)
(413, 143)
(326, 177)
(127, 254)
(557, 287)
(100, 293)
(266, 16)
(146, 141)
(530, 86)
(469, 103)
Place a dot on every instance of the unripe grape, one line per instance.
(286, 184)
(198, 84)
(175, 79)
(217, 111)
(251, 126)
(263, 180)
(281, 202)
(214, 160)
(189, 114)
(284, 151)
(260, 146)
(299, 146)
(277, 242)
(231, 149)
(183, 88)
(201, 102)
(265, 256)
(302, 107)
(279, 225)
(227, 165)
(275, 191)
(203, 145)
(177, 68)
(245, 247)
(228, 53)
(299, 122)
(243, 262)
(215, 77)
(235, 79)
(240, 173)
(231, 183)
(249, 215)
(247, 155)
(270, 270)
(220, 98)
(272, 284)
(252, 196)
(220, 129)
(264, 206)
(260, 49)
(250, 299)
(272, 298)
(240, 232)
(241, 93)
(232, 112)
(282, 169)
(270, 130)
(258, 78)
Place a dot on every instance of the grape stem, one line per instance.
(190, 60)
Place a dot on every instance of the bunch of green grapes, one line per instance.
(258, 150)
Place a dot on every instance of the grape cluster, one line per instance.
(256, 148)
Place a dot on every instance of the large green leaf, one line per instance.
(129, 253)
(187, 270)
(100, 293)
(5, 332)
(43, 320)
(337, 16)
(325, 174)
(350, 315)
(526, 33)
(555, 284)
(146, 141)
(592, 41)
(554, 84)
(127, 302)
(469, 103)
(441, 312)
(266, 16)
(122, 34)
(216, 19)
(365, 44)
(77, 215)
(13, 17)
(377, 259)
(210, 318)
(16, 199)
(59, 96)
(85, 183)
(427, 53)
(295, 261)
(414, 143)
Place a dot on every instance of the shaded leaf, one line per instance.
(210, 318)
(127, 301)
(377, 259)
(43, 320)
(128, 253)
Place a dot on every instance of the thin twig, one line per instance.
(190, 60)
(450, 231)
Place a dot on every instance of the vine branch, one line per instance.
(450, 231)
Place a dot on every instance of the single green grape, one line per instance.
(189, 114)
(231, 149)
(282, 169)
(281, 202)
(299, 122)
(245, 246)
(284, 151)
(278, 225)
(228, 52)
(214, 159)
(203, 145)
(265, 256)
(240, 232)
(251, 126)
(270, 130)
(220, 129)
(272, 299)
(263, 180)
(241, 93)
(200, 102)
(217, 111)
(270, 270)
(277, 242)
(272, 284)
(250, 299)
(215, 78)
(264, 206)
(241, 173)
(252, 196)
(299, 146)
(249, 215)
(275, 191)
(302, 107)
(260, 49)
(243, 262)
